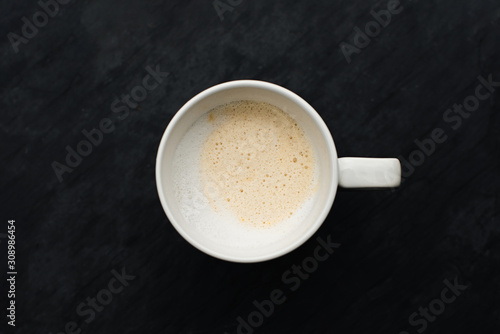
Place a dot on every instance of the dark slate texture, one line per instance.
(398, 247)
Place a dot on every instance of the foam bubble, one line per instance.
(245, 174)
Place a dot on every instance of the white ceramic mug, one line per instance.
(333, 171)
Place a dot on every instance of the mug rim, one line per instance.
(306, 107)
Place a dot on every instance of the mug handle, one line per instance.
(369, 172)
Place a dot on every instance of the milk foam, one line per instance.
(203, 191)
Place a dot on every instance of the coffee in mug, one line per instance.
(250, 168)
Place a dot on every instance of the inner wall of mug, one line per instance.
(325, 160)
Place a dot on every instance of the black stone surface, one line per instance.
(398, 247)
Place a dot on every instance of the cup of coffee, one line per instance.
(247, 171)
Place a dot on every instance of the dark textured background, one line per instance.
(397, 246)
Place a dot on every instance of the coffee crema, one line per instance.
(256, 163)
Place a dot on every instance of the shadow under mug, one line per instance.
(332, 171)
